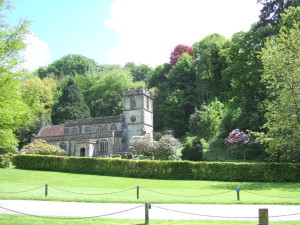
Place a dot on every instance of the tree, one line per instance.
(192, 150)
(178, 52)
(13, 111)
(38, 95)
(281, 59)
(138, 72)
(180, 100)
(70, 105)
(209, 66)
(103, 92)
(69, 65)
(270, 14)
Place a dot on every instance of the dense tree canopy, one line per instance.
(281, 58)
(70, 104)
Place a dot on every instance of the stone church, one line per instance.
(104, 136)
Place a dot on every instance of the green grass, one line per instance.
(178, 191)
(27, 220)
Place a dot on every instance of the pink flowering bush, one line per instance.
(41, 147)
(236, 138)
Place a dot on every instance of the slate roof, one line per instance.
(48, 131)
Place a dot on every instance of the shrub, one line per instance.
(41, 147)
(254, 172)
(4, 161)
(192, 150)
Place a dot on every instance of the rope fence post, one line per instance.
(238, 193)
(263, 217)
(147, 206)
(137, 192)
(46, 190)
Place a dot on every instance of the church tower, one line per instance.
(138, 112)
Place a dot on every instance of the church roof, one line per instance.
(54, 130)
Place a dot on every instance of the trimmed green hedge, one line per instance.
(4, 161)
(185, 170)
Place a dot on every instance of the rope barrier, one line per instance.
(91, 194)
(267, 195)
(72, 218)
(23, 191)
(294, 214)
(184, 195)
(196, 214)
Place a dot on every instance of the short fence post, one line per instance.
(238, 193)
(263, 217)
(137, 192)
(146, 213)
(46, 190)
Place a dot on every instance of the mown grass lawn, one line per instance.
(95, 188)
(26, 220)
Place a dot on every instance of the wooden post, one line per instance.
(238, 193)
(46, 190)
(263, 217)
(146, 213)
(137, 192)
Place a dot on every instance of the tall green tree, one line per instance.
(70, 104)
(281, 59)
(210, 64)
(69, 65)
(139, 72)
(103, 92)
(13, 111)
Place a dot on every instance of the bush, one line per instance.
(40, 147)
(254, 172)
(4, 160)
(192, 150)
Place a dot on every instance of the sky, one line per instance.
(120, 31)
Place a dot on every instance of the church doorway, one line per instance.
(82, 152)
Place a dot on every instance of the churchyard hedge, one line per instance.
(4, 160)
(185, 170)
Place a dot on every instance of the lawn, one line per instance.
(26, 220)
(95, 188)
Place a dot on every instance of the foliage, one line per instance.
(209, 64)
(13, 111)
(192, 150)
(236, 138)
(164, 149)
(270, 14)
(41, 147)
(206, 122)
(39, 97)
(103, 92)
(4, 161)
(69, 65)
(281, 58)
(185, 170)
(138, 72)
(178, 52)
(70, 104)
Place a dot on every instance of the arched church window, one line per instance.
(132, 102)
(104, 145)
(63, 146)
(74, 130)
(100, 128)
(113, 127)
(87, 129)
(118, 145)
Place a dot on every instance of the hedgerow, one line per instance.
(185, 170)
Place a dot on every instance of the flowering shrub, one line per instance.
(41, 147)
(236, 138)
(165, 148)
